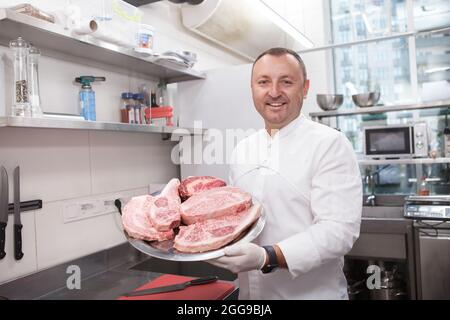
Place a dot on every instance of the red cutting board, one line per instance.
(212, 291)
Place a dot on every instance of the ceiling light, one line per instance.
(284, 24)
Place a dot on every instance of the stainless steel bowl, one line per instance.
(329, 102)
(368, 99)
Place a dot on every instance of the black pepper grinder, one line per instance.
(153, 100)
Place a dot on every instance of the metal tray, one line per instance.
(164, 249)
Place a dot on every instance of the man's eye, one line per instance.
(287, 82)
(262, 81)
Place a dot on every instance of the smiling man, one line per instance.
(279, 85)
(309, 186)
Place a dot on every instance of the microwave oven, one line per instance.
(396, 141)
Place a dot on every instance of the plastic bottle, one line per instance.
(21, 103)
(138, 108)
(87, 97)
(87, 102)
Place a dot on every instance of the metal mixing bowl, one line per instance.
(329, 102)
(368, 99)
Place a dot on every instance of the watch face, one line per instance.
(269, 268)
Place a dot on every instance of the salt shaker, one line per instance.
(33, 77)
(21, 104)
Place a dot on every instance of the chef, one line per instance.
(307, 179)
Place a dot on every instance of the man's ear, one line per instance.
(306, 88)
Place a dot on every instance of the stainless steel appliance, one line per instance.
(428, 207)
(399, 141)
(432, 242)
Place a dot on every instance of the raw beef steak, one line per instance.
(193, 185)
(215, 233)
(136, 222)
(214, 203)
(164, 212)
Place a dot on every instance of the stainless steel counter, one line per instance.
(105, 275)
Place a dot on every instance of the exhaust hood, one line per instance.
(246, 27)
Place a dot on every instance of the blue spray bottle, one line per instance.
(87, 96)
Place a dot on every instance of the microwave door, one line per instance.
(388, 142)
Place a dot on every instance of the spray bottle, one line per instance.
(87, 96)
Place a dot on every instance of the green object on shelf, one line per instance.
(374, 117)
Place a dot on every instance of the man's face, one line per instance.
(278, 89)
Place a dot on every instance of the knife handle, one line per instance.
(18, 254)
(2, 240)
(204, 280)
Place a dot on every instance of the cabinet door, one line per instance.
(435, 264)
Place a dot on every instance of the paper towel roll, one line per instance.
(86, 27)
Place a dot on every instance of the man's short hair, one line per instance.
(278, 51)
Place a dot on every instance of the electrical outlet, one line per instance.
(79, 209)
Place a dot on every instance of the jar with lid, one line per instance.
(21, 104)
(138, 108)
(127, 109)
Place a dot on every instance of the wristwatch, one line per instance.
(273, 261)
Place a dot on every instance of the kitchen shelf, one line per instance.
(51, 123)
(381, 109)
(404, 161)
(52, 37)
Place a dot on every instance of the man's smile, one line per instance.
(276, 105)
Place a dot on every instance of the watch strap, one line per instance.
(273, 261)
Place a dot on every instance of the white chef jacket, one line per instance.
(308, 181)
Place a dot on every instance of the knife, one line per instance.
(175, 287)
(4, 199)
(18, 254)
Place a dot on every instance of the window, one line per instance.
(385, 65)
(388, 65)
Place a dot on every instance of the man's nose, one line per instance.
(274, 91)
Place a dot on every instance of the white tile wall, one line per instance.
(58, 242)
(54, 163)
(121, 161)
(9, 267)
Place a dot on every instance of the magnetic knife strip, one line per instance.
(26, 206)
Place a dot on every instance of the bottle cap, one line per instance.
(34, 50)
(127, 95)
(138, 96)
(18, 43)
